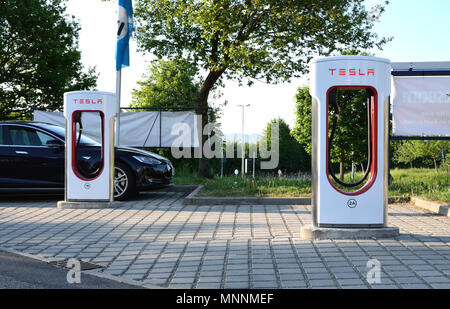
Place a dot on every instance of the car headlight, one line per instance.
(147, 160)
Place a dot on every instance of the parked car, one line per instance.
(32, 159)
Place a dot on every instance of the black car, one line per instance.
(32, 159)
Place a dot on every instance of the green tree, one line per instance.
(172, 83)
(303, 118)
(244, 40)
(406, 152)
(39, 56)
(433, 150)
(293, 157)
(167, 84)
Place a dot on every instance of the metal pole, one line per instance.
(221, 161)
(117, 123)
(389, 142)
(353, 171)
(243, 140)
(243, 143)
(254, 158)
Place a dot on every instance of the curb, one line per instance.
(193, 199)
(176, 188)
(207, 201)
(434, 207)
(92, 272)
(192, 195)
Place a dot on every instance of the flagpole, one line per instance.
(125, 27)
(117, 124)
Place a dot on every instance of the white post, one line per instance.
(243, 141)
(353, 171)
(254, 158)
(221, 160)
(117, 123)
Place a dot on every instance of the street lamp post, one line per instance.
(243, 138)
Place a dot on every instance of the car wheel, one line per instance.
(124, 182)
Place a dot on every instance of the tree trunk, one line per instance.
(341, 170)
(410, 164)
(435, 165)
(202, 109)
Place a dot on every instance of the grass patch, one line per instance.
(235, 186)
(425, 183)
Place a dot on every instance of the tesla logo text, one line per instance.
(87, 101)
(352, 72)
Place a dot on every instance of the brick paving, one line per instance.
(155, 240)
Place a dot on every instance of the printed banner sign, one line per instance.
(421, 105)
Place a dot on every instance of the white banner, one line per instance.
(141, 129)
(421, 105)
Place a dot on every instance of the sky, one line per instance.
(420, 31)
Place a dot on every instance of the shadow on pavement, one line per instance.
(18, 272)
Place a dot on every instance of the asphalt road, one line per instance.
(18, 272)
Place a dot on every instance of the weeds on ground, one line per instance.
(426, 183)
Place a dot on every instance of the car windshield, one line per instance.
(62, 132)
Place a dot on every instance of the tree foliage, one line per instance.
(39, 56)
(411, 151)
(433, 150)
(271, 40)
(292, 155)
(172, 83)
(303, 118)
(267, 39)
(406, 152)
(167, 84)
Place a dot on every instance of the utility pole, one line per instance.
(254, 158)
(243, 139)
(223, 158)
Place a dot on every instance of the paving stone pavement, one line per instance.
(155, 240)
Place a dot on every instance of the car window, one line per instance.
(22, 136)
(62, 132)
(45, 138)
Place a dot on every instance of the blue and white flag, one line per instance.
(125, 28)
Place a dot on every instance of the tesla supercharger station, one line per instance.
(86, 183)
(337, 204)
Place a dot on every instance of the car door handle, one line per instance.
(21, 152)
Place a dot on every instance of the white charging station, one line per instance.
(97, 183)
(365, 206)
